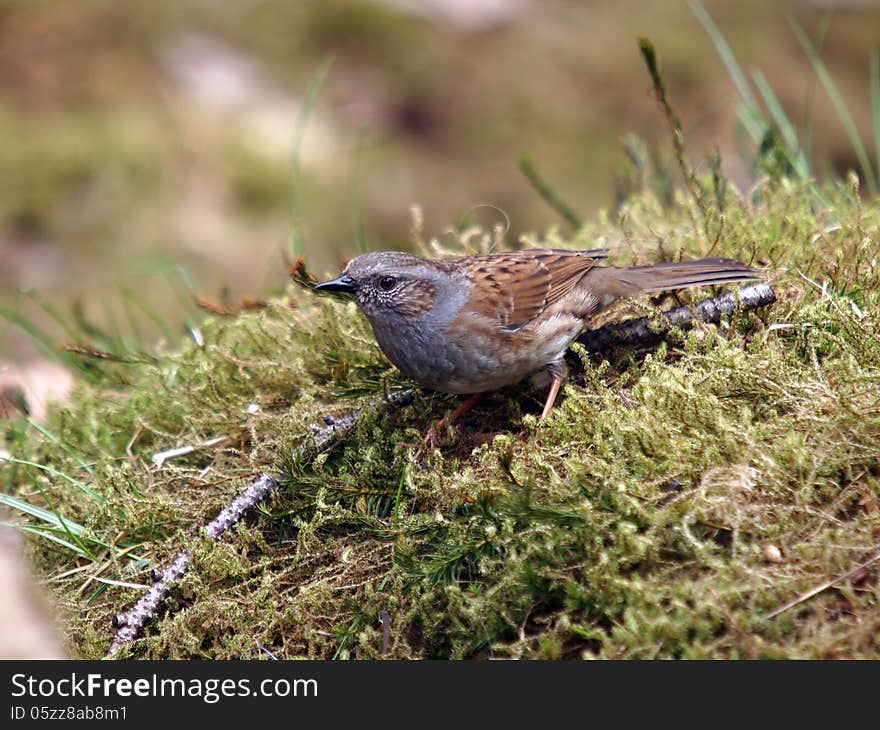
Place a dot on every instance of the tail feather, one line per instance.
(701, 272)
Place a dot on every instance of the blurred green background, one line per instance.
(147, 147)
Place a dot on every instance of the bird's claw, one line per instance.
(429, 441)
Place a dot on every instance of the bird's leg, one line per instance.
(460, 411)
(558, 370)
(551, 397)
(430, 439)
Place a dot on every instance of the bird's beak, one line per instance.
(342, 283)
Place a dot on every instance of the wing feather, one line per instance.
(513, 288)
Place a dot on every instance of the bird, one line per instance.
(470, 324)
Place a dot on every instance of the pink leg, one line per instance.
(462, 409)
(551, 397)
(430, 439)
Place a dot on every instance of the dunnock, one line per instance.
(469, 324)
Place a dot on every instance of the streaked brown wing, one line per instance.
(514, 288)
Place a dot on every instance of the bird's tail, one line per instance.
(664, 277)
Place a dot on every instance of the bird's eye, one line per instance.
(387, 283)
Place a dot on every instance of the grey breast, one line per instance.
(422, 348)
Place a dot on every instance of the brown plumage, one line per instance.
(469, 324)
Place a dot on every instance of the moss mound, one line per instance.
(672, 500)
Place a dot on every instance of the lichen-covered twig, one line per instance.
(129, 625)
(635, 332)
(643, 331)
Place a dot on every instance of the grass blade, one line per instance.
(875, 105)
(52, 437)
(151, 314)
(44, 515)
(818, 43)
(82, 486)
(795, 153)
(180, 280)
(49, 535)
(354, 167)
(548, 194)
(821, 70)
(53, 524)
(45, 341)
(55, 313)
(649, 56)
(733, 68)
(295, 240)
(63, 528)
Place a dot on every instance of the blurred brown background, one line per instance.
(141, 143)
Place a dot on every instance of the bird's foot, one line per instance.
(429, 440)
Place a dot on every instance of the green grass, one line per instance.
(632, 524)
(771, 127)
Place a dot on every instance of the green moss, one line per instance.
(632, 524)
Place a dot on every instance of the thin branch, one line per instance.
(130, 624)
(641, 332)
